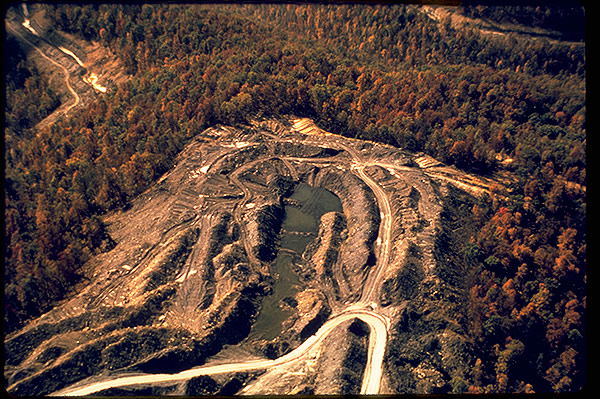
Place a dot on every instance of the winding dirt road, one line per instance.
(377, 342)
(14, 30)
(364, 309)
(385, 233)
(20, 31)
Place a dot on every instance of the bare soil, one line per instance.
(192, 264)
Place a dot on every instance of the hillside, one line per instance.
(474, 142)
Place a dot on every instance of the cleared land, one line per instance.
(177, 297)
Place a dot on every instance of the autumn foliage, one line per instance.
(384, 73)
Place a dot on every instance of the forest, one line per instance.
(380, 72)
(558, 22)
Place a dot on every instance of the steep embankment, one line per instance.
(193, 261)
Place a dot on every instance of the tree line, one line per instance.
(384, 73)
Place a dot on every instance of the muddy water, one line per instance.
(298, 221)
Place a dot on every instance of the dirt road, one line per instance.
(14, 29)
(377, 341)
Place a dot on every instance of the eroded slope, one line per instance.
(194, 260)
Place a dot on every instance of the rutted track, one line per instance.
(224, 180)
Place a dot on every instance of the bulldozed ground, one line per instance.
(194, 263)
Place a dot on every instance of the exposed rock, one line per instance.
(322, 253)
(406, 284)
(202, 385)
(263, 226)
(190, 267)
(356, 255)
(310, 313)
(303, 150)
(356, 358)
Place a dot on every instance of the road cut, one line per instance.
(377, 323)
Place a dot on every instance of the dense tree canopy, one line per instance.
(384, 73)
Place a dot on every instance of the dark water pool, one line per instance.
(304, 218)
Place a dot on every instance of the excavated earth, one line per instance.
(194, 262)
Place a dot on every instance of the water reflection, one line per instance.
(300, 226)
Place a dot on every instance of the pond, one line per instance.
(300, 226)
